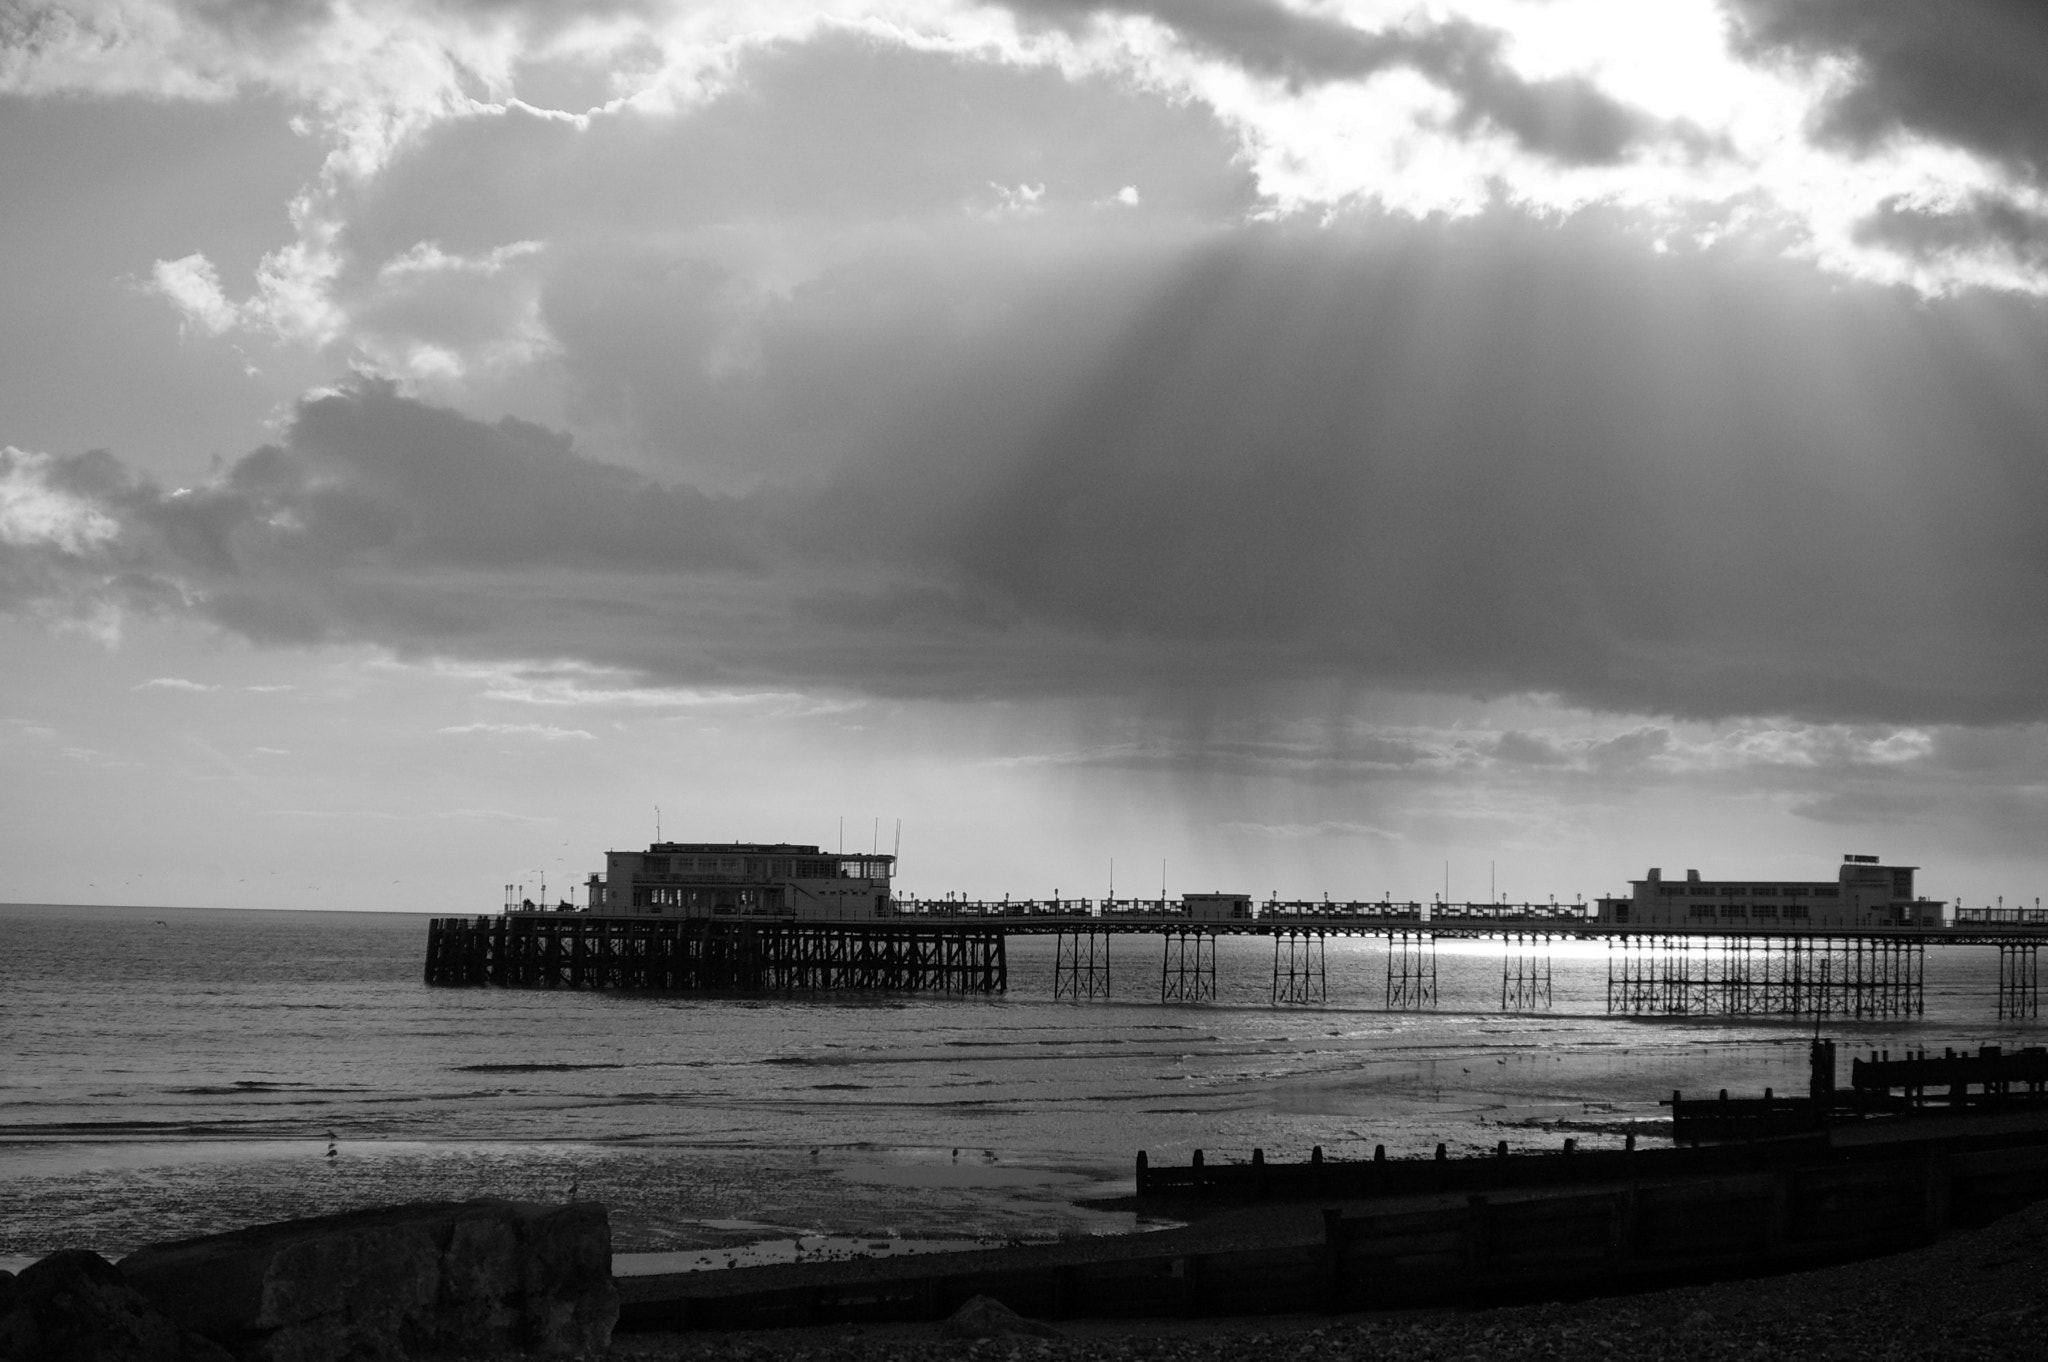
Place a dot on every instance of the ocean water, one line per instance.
(170, 1072)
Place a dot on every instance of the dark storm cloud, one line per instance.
(1566, 118)
(1973, 73)
(376, 519)
(1487, 458)
(1984, 222)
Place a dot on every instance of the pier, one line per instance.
(1143, 949)
(737, 955)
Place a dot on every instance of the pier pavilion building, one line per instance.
(742, 879)
(1863, 894)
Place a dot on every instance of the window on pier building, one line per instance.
(1734, 910)
(1671, 891)
(1733, 891)
(1701, 890)
(1764, 910)
(655, 865)
(1797, 891)
(1702, 910)
(1763, 891)
(1827, 891)
(1795, 912)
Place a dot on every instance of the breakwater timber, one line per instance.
(1991, 1081)
(1656, 971)
(1432, 1232)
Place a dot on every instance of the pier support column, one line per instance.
(1525, 973)
(1299, 972)
(1080, 964)
(2019, 979)
(1187, 966)
(1636, 968)
(1411, 969)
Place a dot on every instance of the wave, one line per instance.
(530, 1068)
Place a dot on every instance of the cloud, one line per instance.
(468, 236)
(1293, 832)
(545, 732)
(1973, 73)
(174, 683)
(1566, 118)
(2004, 240)
(1484, 459)
(192, 285)
(41, 507)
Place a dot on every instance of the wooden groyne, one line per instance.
(713, 955)
(1951, 1082)
(1442, 1232)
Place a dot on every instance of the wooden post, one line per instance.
(1478, 1248)
(1778, 1224)
(1939, 1193)
(1191, 1284)
(1142, 1170)
(1333, 1261)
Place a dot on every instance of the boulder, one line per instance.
(75, 1306)
(987, 1317)
(440, 1278)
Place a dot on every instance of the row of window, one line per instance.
(1792, 912)
(783, 869)
(1758, 891)
(650, 896)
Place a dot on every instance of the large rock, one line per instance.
(75, 1306)
(406, 1281)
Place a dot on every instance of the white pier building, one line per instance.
(1863, 894)
(743, 879)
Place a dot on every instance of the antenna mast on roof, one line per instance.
(657, 822)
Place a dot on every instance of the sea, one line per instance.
(168, 1072)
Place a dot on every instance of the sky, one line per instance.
(1291, 447)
